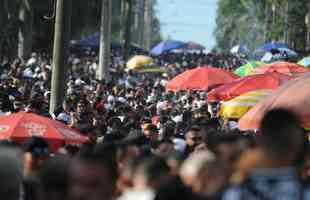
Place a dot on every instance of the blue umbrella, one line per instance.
(271, 45)
(279, 54)
(166, 46)
(93, 41)
(288, 52)
(90, 41)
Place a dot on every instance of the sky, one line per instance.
(188, 20)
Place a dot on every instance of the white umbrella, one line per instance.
(238, 49)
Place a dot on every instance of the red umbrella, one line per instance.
(294, 95)
(200, 78)
(247, 84)
(21, 126)
(281, 67)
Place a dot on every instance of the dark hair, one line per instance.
(55, 175)
(194, 128)
(174, 189)
(34, 143)
(103, 155)
(154, 168)
(278, 129)
(167, 132)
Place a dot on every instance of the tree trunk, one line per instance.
(105, 41)
(3, 19)
(268, 21)
(308, 28)
(60, 52)
(25, 29)
(128, 28)
(286, 23)
(141, 22)
(148, 16)
(122, 21)
(3, 14)
(135, 23)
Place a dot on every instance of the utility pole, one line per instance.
(105, 41)
(60, 52)
(128, 28)
(148, 16)
(25, 29)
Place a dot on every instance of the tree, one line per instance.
(105, 41)
(60, 52)
(85, 21)
(128, 8)
(25, 28)
(307, 22)
(9, 24)
(253, 22)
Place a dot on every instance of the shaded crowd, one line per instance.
(145, 143)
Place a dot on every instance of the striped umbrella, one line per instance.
(237, 107)
(246, 69)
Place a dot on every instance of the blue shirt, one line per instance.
(269, 184)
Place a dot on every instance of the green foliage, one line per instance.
(244, 22)
(85, 21)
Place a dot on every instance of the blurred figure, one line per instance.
(148, 174)
(203, 174)
(274, 175)
(94, 177)
(54, 178)
(175, 189)
(11, 173)
(36, 152)
(227, 148)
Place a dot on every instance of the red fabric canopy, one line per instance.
(21, 126)
(281, 67)
(200, 78)
(247, 84)
(294, 95)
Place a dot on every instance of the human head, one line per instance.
(81, 107)
(54, 178)
(151, 132)
(193, 136)
(150, 172)
(281, 135)
(94, 175)
(203, 173)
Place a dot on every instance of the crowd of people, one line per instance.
(145, 143)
